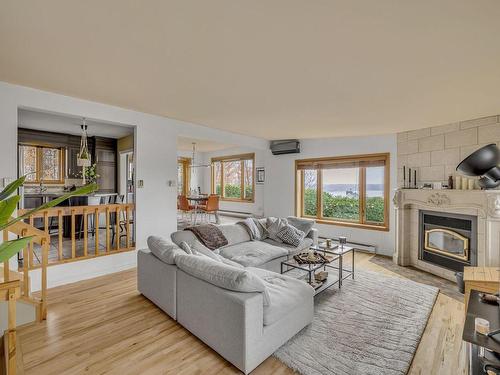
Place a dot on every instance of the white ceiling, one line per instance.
(186, 144)
(67, 124)
(274, 69)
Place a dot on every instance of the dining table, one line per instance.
(197, 200)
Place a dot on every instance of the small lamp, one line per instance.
(484, 163)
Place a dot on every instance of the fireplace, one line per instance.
(448, 240)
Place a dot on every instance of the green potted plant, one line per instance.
(8, 204)
(90, 174)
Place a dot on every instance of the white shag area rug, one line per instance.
(371, 326)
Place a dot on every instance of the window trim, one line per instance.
(241, 158)
(299, 188)
(39, 156)
(186, 173)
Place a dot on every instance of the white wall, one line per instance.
(279, 194)
(156, 164)
(257, 207)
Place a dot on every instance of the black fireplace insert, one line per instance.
(448, 240)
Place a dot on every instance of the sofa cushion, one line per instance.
(273, 226)
(222, 275)
(292, 250)
(211, 254)
(252, 253)
(290, 235)
(163, 249)
(304, 225)
(234, 233)
(285, 294)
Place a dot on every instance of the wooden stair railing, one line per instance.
(10, 291)
(39, 237)
(12, 288)
(78, 244)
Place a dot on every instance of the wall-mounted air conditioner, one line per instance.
(285, 146)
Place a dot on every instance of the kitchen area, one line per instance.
(59, 153)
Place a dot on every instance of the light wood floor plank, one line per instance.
(104, 326)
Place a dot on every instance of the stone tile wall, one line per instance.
(435, 152)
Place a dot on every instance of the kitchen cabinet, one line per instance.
(105, 155)
(73, 170)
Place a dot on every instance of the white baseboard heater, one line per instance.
(235, 213)
(357, 245)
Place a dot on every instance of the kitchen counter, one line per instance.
(60, 194)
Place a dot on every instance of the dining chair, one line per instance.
(184, 207)
(211, 207)
(93, 201)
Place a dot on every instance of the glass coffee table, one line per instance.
(336, 261)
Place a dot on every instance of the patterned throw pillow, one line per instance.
(273, 226)
(291, 235)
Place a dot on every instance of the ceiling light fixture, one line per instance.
(83, 157)
(193, 160)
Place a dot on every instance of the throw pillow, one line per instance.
(163, 249)
(291, 235)
(273, 226)
(305, 225)
(223, 275)
(185, 246)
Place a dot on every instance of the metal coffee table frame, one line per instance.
(338, 255)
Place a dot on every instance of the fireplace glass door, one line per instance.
(447, 242)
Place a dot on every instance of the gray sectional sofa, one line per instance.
(245, 327)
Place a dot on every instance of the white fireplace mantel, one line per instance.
(483, 204)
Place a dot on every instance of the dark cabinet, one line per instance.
(73, 168)
(34, 202)
(105, 156)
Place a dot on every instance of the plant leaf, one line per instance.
(12, 187)
(10, 248)
(81, 191)
(7, 207)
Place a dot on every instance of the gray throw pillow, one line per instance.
(291, 235)
(185, 246)
(163, 249)
(305, 225)
(273, 226)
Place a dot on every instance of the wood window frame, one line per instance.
(241, 158)
(362, 223)
(39, 163)
(186, 173)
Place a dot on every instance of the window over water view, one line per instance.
(347, 193)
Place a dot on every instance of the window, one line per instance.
(351, 191)
(42, 164)
(183, 174)
(233, 177)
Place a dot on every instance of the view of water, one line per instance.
(343, 190)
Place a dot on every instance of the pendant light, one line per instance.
(193, 160)
(83, 157)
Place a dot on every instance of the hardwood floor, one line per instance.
(104, 326)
